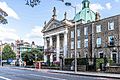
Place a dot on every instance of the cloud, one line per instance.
(79, 7)
(117, 0)
(8, 10)
(35, 35)
(108, 6)
(96, 7)
(8, 34)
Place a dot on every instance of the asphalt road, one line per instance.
(17, 74)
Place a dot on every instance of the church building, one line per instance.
(94, 36)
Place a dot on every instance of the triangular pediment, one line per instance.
(52, 24)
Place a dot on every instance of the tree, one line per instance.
(29, 57)
(8, 53)
(3, 14)
(38, 53)
(32, 3)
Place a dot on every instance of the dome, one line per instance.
(86, 14)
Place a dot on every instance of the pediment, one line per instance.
(52, 24)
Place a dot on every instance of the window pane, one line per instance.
(98, 28)
(78, 43)
(86, 31)
(72, 44)
(86, 43)
(98, 42)
(72, 34)
(111, 40)
(110, 25)
(78, 32)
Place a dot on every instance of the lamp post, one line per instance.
(1, 52)
(35, 61)
(69, 4)
(61, 61)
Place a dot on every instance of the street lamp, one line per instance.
(61, 61)
(69, 4)
(1, 52)
(35, 60)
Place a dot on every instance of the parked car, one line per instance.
(13, 62)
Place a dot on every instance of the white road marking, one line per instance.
(47, 77)
(104, 78)
(4, 78)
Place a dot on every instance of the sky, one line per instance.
(26, 23)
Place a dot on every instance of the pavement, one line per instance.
(92, 74)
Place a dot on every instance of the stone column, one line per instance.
(65, 45)
(58, 47)
(45, 47)
(51, 44)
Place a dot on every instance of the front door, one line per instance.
(48, 59)
(114, 58)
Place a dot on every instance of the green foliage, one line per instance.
(30, 55)
(3, 14)
(80, 61)
(110, 61)
(8, 53)
(68, 61)
(98, 62)
(25, 56)
(38, 52)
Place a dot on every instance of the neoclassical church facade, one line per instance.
(94, 36)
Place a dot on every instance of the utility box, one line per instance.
(38, 65)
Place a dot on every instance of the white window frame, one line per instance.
(111, 25)
(86, 44)
(85, 30)
(72, 34)
(72, 44)
(99, 53)
(78, 44)
(78, 32)
(98, 41)
(98, 28)
(109, 38)
(116, 56)
(102, 55)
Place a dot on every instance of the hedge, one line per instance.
(84, 61)
(80, 61)
(98, 62)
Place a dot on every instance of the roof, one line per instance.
(86, 14)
